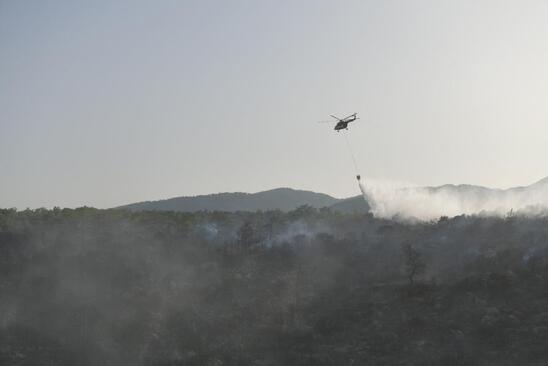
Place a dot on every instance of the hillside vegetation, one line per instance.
(284, 199)
(306, 287)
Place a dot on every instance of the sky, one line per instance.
(105, 103)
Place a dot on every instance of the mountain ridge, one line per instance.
(287, 199)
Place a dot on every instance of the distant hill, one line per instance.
(284, 199)
(533, 193)
(351, 205)
(287, 199)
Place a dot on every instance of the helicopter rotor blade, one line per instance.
(352, 115)
(337, 118)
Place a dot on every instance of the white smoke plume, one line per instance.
(397, 200)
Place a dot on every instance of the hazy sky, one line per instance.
(109, 102)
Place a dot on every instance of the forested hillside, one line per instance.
(284, 199)
(306, 287)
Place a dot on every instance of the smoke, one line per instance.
(401, 201)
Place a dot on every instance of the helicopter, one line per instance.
(342, 123)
